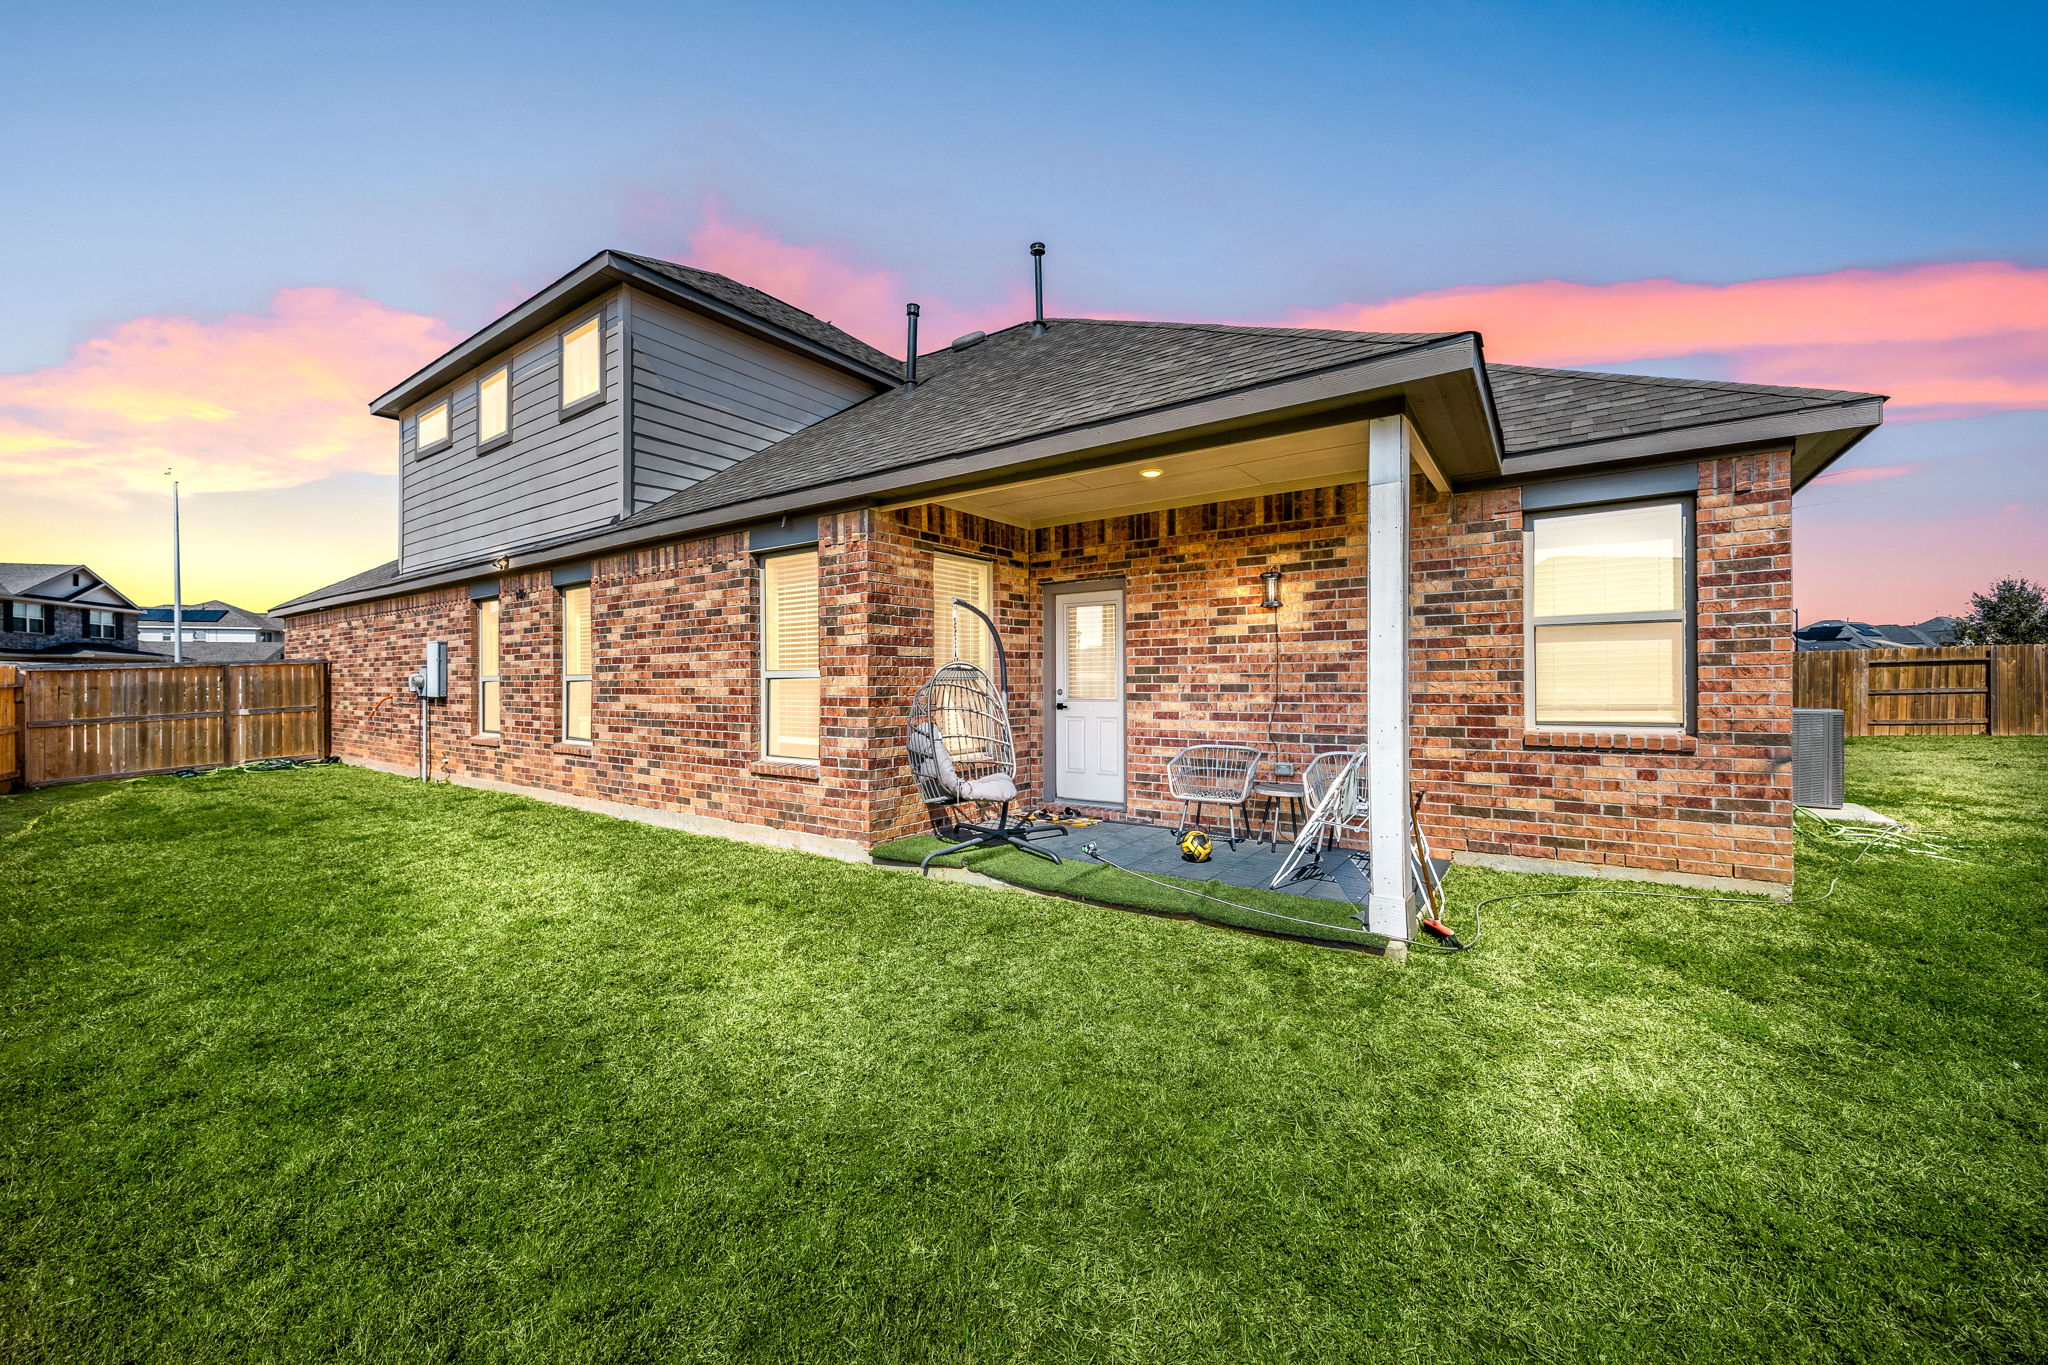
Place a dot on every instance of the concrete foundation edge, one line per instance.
(1559, 867)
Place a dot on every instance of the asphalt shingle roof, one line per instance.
(368, 579)
(769, 309)
(217, 651)
(215, 613)
(1013, 386)
(1541, 409)
(22, 577)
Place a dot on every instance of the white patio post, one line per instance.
(1390, 909)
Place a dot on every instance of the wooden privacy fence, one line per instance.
(1945, 690)
(88, 724)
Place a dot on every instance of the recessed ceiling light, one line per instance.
(1150, 473)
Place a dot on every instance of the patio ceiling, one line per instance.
(1316, 457)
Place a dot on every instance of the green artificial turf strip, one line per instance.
(1081, 876)
(324, 1064)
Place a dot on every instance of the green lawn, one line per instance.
(322, 1064)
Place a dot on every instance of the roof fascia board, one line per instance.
(1862, 412)
(601, 272)
(1197, 421)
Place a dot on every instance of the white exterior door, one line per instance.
(1087, 649)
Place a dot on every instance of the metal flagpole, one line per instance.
(177, 583)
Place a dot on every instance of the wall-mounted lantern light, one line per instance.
(1271, 579)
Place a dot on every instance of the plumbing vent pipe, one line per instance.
(910, 311)
(1038, 289)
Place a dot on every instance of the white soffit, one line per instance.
(1271, 464)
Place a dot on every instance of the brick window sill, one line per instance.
(572, 746)
(775, 767)
(1671, 743)
(487, 741)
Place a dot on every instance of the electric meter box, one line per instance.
(432, 680)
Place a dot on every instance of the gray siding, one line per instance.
(554, 477)
(706, 395)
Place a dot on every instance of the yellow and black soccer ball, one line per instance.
(1194, 846)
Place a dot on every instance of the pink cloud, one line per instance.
(251, 401)
(1848, 562)
(1868, 475)
(1942, 340)
(827, 280)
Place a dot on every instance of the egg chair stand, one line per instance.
(961, 750)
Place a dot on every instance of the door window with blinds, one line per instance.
(1610, 629)
(488, 703)
(576, 662)
(789, 655)
(956, 633)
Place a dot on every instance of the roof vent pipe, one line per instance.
(910, 311)
(1038, 289)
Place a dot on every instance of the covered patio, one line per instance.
(1213, 590)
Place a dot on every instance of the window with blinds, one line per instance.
(789, 655)
(576, 662)
(1094, 672)
(956, 634)
(488, 697)
(494, 405)
(582, 362)
(1610, 615)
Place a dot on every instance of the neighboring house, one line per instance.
(1938, 630)
(63, 613)
(215, 633)
(691, 549)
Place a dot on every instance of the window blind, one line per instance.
(789, 655)
(576, 662)
(581, 359)
(576, 629)
(493, 405)
(1623, 673)
(789, 586)
(1093, 669)
(489, 713)
(956, 634)
(1624, 560)
(1609, 615)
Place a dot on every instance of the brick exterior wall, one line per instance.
(1717, 802)
(67, 626)
(677, 687)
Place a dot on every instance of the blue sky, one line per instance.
(1189, 160)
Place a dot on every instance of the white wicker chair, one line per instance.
(1213, 775)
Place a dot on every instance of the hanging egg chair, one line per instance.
(961, 751)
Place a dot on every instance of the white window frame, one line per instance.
(496, 678)
(108, 629)
(770, 676)
(570, 407)
(447, 410)
(17, 618)
(1687, 613)
(484, 442)
(590, 615)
